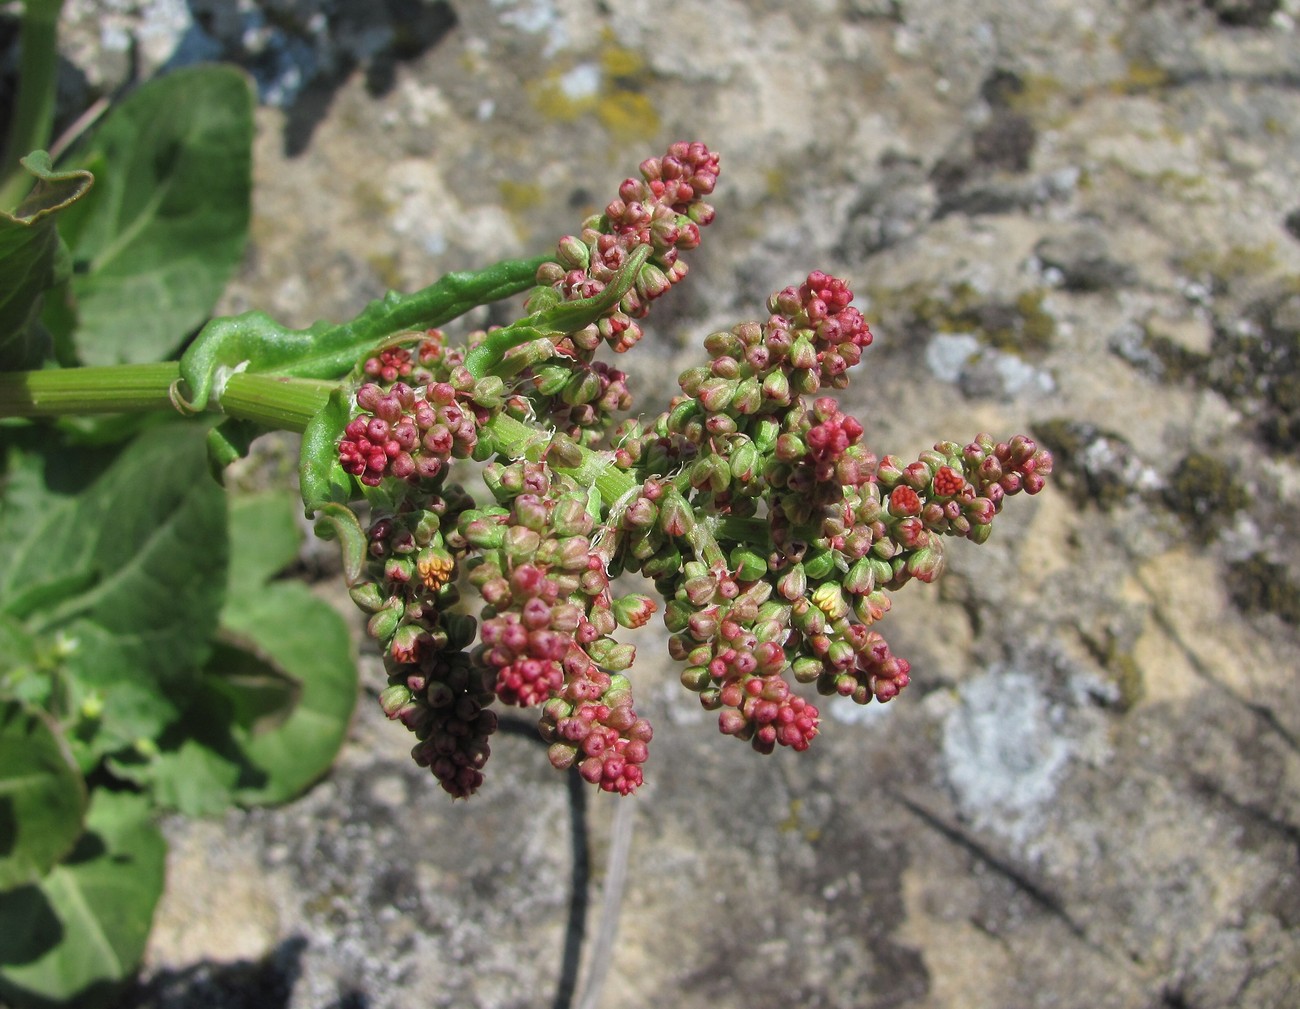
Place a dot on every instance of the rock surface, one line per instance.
(1076, 219)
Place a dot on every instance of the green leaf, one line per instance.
(79, 934)
(42, 796)
(308, 642)
(32, 260)
(158, 239)
(264, 539)
(277, 696)
(321, 477)
(129, 570)
(329, 351)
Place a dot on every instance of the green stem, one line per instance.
(274, 402)
(517, 440)
(60, 392)
(33, 115)
(563, 318)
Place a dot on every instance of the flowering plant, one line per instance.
(771, 534)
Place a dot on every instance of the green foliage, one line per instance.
(33, 259)
(75, 938)
(157, 239)
(145, 662)
(42, 797)
(325, 350)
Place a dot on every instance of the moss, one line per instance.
(1022, 326)
(1092, 466)
(1258, 585)
(1037, 326)
(1141, 77)
(1204, 494)
(520, 197)
(370, 200)
(387, 267)
(1257, 367)
(617, 63)
(619, 103)
(1128, 678)
(1224, 268)
(628, 115)
(1172, 361)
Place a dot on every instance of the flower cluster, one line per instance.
(548, 621)
(771, 532)
(664, 210)
(757, 598)
(412, 432)
(409, 589)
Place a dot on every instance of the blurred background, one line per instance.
(1077, 220)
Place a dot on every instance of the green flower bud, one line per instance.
(748, 397)
(564, 451)
(806, 669)
(489, 392)
(926, 564)
(367, 597)
(712, 473)
(695, 678)
(394, 699)
(861, 579)
(551, 378)
(632, 611)
(682, 414)
(828, 598)
(582, 387)
(610, 654)
(716, 394)
(744, 462)
(723, 345)
(665, 564)
(675, 516)
(819, 563)
(571, 518)
(793, 584)
(765, 434)
(776, 388)
(384, 624)
(572, 253)
(807, 619)
(748, 565)
(803, 355)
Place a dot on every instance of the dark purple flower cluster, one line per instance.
(409, 589)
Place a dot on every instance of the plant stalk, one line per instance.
(33, 116)
(272, 401)
(62, 392)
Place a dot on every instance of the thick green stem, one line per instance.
(276, 402)
(273, 402)
(62, 392)
(33, 114)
